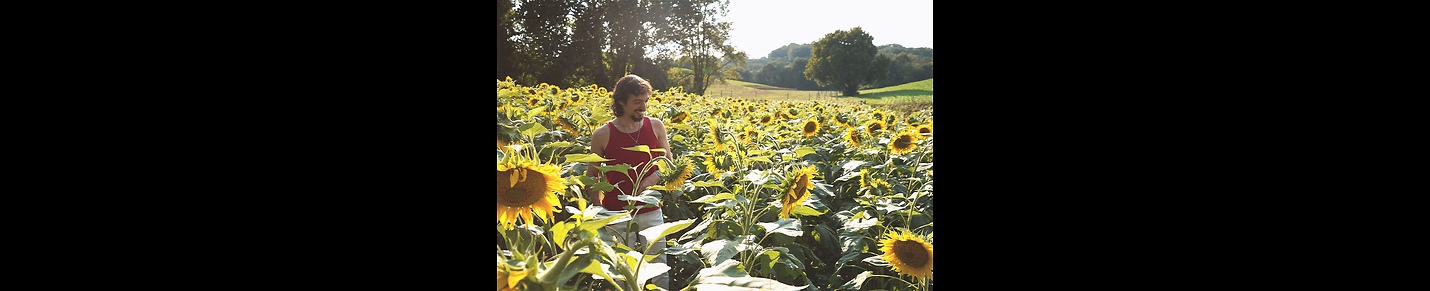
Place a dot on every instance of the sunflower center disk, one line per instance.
(911, 253)
(903, 142)
(532, 190)
(513, 196)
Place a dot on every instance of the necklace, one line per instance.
(634, 138)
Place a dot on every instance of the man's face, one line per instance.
(635, 106)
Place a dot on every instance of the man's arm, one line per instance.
(661, 140)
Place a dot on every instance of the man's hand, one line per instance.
(649, 180)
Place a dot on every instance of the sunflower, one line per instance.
(751, 134)
(678, 179)
(712, 165)
(766, 119)
(717, 112)
(876, 183)
(908, 254)
(874, 126)
(576, 98)
(853, 137)
(506, 280)
(715, 136)
(680, 118)
(532, 101)
(904, 143)
(566, 125)
(925, 130)
(878, 115)
(504, 85)
(503, 138)
(798, 190)
(864, 179)
(524, 187)
(843, 120)
(810, 128)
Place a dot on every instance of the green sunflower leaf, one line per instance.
(559, 231)
(585, 158)
(532, 129)
(617, 168)
(800, 152)
(877, 261)
(559, 144)
(682, 126)
(788, 227)
(655, 233)
(757, 177)
(729, 276)
(858, 282)
(714, 198)
(805, 210)
(639, 148)
(604, 186)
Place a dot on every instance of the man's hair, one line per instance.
(630, 85)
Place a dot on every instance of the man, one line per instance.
(630, 128)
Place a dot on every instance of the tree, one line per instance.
(846, 60)
(771, 74)
(800, 51)
(901, 70)
(546, 36)
(626, 21)
(697, 38)
(796, 78)
(780, 53)
(588, 43)
(506, 22)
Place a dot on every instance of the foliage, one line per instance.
(725, 228)
(846, 60)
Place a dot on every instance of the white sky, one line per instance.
(760, 26)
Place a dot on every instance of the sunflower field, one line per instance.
(759, 194)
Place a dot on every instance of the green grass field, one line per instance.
(906, 97)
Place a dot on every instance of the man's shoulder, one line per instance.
(601, 130)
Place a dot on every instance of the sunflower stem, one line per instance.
(900, 279)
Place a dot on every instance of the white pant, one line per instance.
(638, 243)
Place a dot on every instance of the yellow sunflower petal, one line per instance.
(908, 254)
(798, 190)
(903, 143)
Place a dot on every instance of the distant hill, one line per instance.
(784, 67)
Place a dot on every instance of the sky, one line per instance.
(760, 26)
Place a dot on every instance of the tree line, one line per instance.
(581, 42)
(784, 66)
(672, 43)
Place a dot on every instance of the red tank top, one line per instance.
(616, 143)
